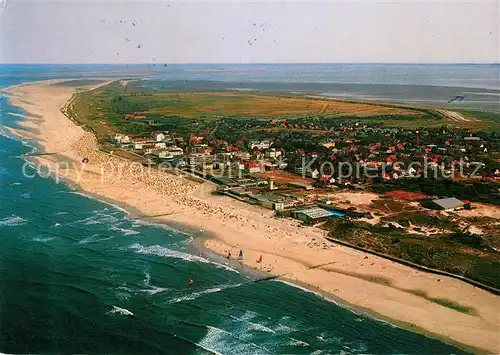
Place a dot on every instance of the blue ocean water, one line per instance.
(71, 268)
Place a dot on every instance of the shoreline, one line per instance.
(230, 225)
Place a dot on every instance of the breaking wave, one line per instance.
(121, 311)
(196, 295)
(252, 325)
(41, 239)
(220, 341)
(124, 230)
(95, 238)
(97, 218)
(151, 289)
(296, 342)
(158, 250)
(12, 221)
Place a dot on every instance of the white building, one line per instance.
(163, 154)
(121, 139)
(158, 136)
(266, 144)
(224, 157)
(175, 151)
(169, 153)
(472, 139)
(200, 159)
(242, 155)
(254, 169)
(273, 153)
(139, 143)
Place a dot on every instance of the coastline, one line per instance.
(287, 249)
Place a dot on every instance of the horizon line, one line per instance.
(245, 63)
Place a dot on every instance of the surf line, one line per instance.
(273, 277)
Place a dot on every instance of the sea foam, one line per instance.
(41, 239)
(94, 238)
(121, 311)
(158, 250)
(12, 221)
(196, 295)
(124, 230)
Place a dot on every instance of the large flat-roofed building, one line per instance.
(446, 204)
(313, 215)
(198, 159)
(223, 180)
(472, 139)
(301, 185)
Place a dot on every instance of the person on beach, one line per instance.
(240, 256)
(229, 254)
(260, 259)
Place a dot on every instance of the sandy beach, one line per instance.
(288, 249)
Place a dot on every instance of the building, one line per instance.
(175, 151)
(301, 185)
(201, 149)
(163, 154)
(224, 180)
(253, 166)
(273, 153)
(313, 215)
(242, 155)
(148, 149)
(284, 204)
(271, 186)
(224, 157)
(160, 145)
(168, 153)
(261, 200)
(472, 139)
(446, 204)
(158, 136)
(271, 201)
(139, 143)
(265, 144)
(121, 139)
(200, 160)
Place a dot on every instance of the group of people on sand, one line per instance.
(240, 256)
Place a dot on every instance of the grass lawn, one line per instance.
(253, 105)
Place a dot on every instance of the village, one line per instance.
(405, 164)
(409, 183)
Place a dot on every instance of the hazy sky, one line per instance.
(235, 31)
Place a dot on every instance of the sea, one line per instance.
(79, 275)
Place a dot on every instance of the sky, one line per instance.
(81, 31)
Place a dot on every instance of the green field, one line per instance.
(206, 104)
(107, 108)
